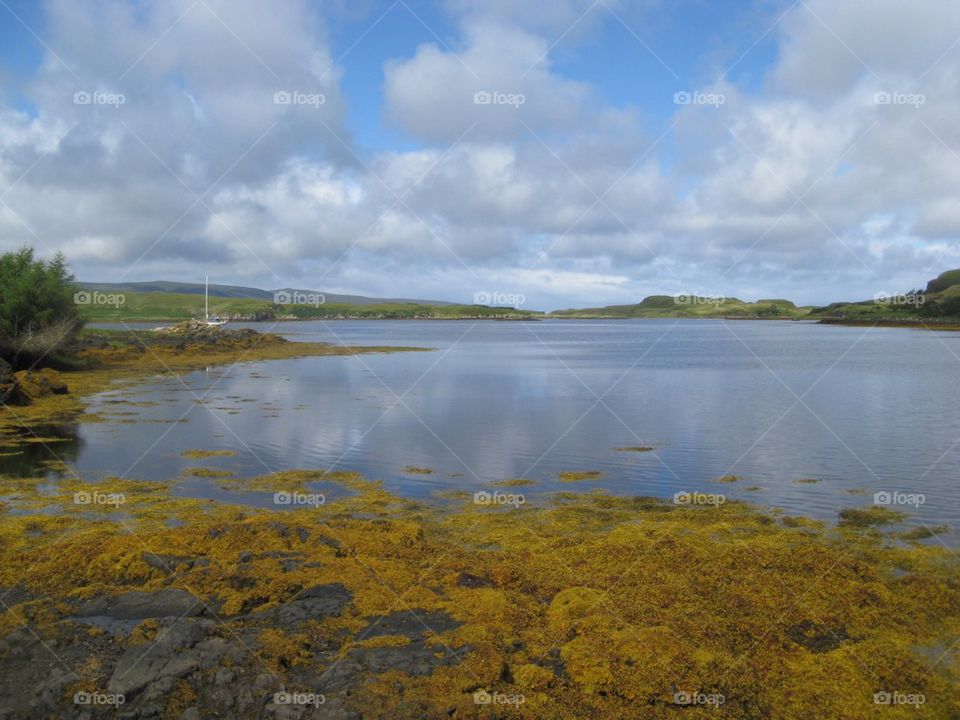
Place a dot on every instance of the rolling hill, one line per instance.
(690, 306)
(240, 292)
(115, 305)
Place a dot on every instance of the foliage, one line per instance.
(37, 311)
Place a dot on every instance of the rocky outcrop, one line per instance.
(34, 384)
(179, 644)
(10, 391)
(169, 602)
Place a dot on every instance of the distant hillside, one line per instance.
(238, 291)
(939, 302)
(944, 281)
(690, 306)
(99, 305)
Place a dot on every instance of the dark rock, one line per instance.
(817, 638)
(10, 391)
(180, 648)
(469, 580)
(166, 563)
(136, 604)
(414, 624)
(313, 603)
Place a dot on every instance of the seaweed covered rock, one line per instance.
(34, 384)
(10, 390)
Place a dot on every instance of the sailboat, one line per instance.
(214, 321)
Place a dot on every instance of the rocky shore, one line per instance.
(124, 598)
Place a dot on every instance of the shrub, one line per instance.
(37, 314)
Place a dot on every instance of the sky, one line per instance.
(563, 153)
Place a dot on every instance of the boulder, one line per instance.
(10, 391)
(40, 383)
(139, 605)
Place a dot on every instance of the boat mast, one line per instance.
(206, 297)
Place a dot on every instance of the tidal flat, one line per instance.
(345, 600)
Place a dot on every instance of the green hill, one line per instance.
(240, 292)
(98, 306)
(939, 303)
(690, 306)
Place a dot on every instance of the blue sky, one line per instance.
(786, 176)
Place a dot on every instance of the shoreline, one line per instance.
(369, 604)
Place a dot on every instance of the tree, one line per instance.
(38, 315)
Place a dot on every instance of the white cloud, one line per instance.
(793, 189)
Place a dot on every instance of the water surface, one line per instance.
(858, 410)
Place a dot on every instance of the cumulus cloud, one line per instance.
(232, 147)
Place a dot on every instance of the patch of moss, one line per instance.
(415, 470)
(635, 448)
(579, 475)
(923, 532)
(207, 472)
(869, 516)
(200, 454)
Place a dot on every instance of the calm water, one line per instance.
(860, 410)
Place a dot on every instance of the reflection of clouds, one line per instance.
(500, 399)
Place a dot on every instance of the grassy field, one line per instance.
(163, 307)
(690, 306)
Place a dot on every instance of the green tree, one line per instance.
(38, 315)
